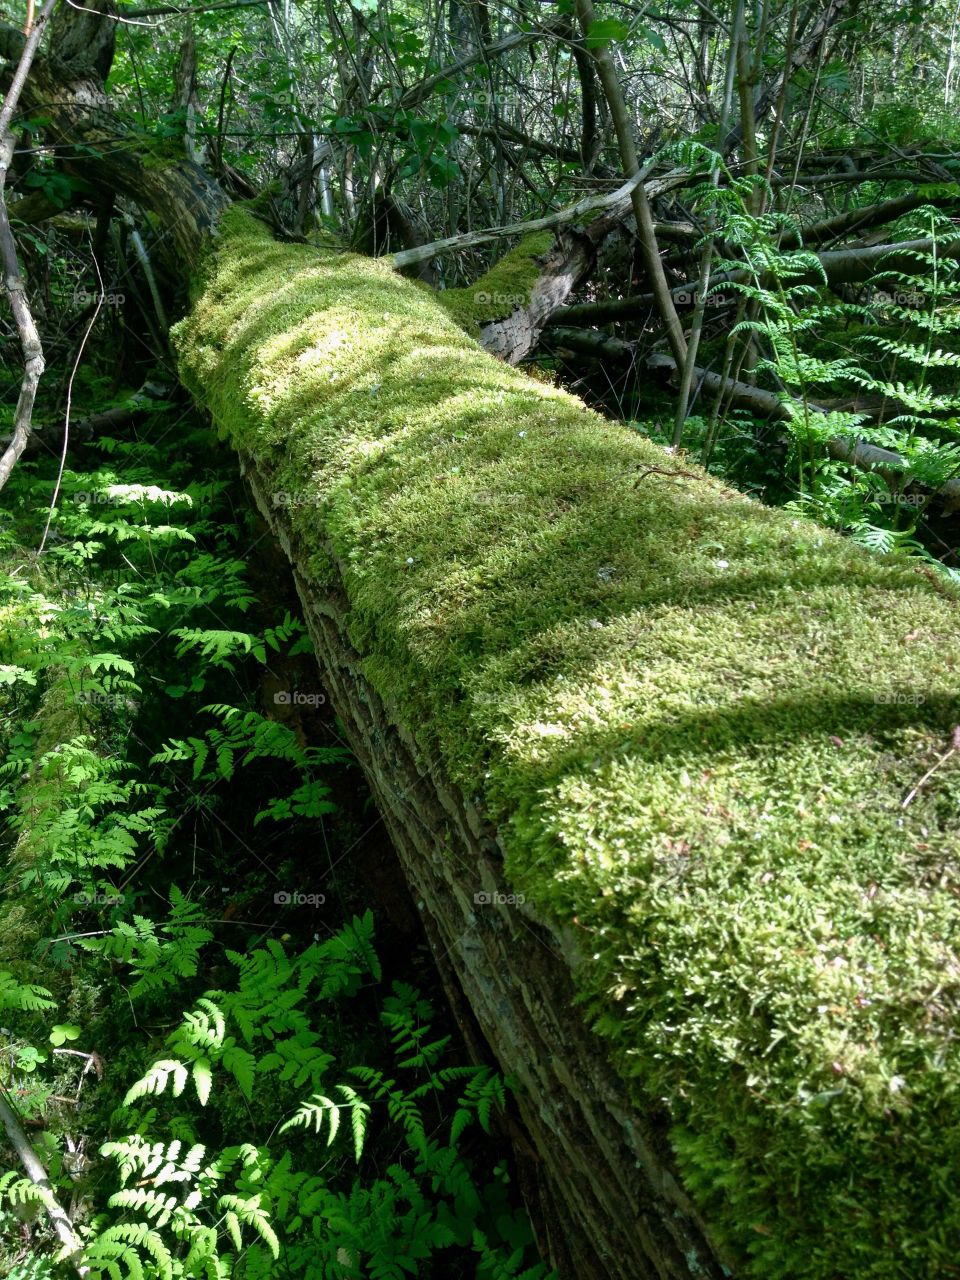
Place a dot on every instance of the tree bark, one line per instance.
(33, 1167)
(422, 574)
(514, 337)
(181, 194)
(13, 285)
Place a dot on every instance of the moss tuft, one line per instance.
(697, 722)
(502, 290)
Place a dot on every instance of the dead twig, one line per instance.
(954, 748)
(37, 1174)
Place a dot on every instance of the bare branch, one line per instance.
(615, 202)
(767, 404)
(35, 1171)
(13, 285)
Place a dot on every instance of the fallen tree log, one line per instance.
(576, 674)
(638, 740)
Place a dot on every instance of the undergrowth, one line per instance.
(222, 1082)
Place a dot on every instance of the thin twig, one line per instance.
(66, 420)
(37, 1174)
(954, 748)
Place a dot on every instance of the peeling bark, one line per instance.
(569, 262)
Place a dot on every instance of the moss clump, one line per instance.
(504, 288)
(697, 722)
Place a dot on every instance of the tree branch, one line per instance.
(766, 404)
(13, 285)
(610, 82)
(37, 1174)
(840, 266)
(613, 204)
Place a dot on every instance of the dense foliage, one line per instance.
(716, 735)
(268, 1124)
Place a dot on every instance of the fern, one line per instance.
(250, 736)
(23, 996)
(162, 955)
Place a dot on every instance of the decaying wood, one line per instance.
(834, 267)
(602, 1172)
(513, 338)
(82, 124)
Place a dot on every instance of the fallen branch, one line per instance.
(840, 266)
(590, 342)
(37, 1174)
(767, 404)
(872, 215)
(139, 405)
(614, 203)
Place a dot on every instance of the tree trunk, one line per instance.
(615, 716)
(463, 538)
(81, 124)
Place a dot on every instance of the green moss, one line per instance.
(159, 153)
(265, 197)
(504, 288)
(696, 721)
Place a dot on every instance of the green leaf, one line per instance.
(604, 29)
(64, 1031)
(202, 1079)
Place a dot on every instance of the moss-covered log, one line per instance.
(713, 745)
(508, 307)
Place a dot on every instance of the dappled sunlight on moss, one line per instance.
(501, 290)
(695, 720)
